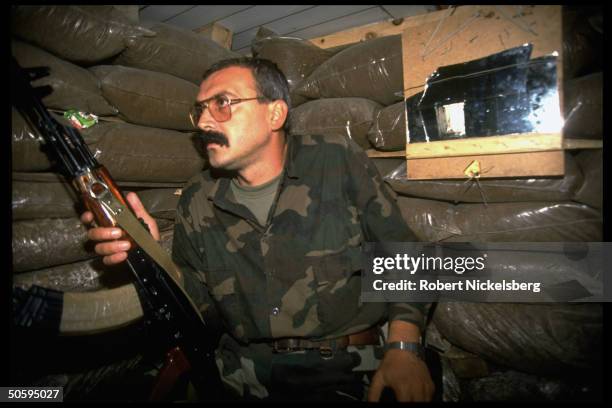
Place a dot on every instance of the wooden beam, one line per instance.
(218, 33)
(572, 144)
(517, 143)
(535, 164)
(375, 30)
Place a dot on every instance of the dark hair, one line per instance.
(270, 81)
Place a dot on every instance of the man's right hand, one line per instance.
(109, 243)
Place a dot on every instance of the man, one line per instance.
(269, 239)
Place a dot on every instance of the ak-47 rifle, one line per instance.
(167, 308)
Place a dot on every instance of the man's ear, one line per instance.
(278, 114)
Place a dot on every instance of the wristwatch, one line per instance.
(416, 348)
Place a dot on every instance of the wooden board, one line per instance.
(536, 164)
(375, 30)
(218, 33)
(470, 32)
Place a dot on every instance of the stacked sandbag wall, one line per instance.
(140, 81)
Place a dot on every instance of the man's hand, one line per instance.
(113, 249)
(406, 374)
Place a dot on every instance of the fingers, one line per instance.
(87, 217)
(104, 234)
(115, 258)
(376, 388)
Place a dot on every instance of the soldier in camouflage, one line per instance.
(268, 239)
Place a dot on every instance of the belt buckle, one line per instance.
(326, 352)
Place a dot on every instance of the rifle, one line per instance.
(167, 309)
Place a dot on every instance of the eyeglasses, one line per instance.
(219, 107)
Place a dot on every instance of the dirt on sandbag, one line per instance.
(81, 34)
(591, 190)
(73, 87)
(534, 338)
(583, 113)
(388, 131)
(434, 221)
(490, 190)
(148, 98)
(347, 117)
(372, 70)
(42, 243)
(145, 154)
(175, 51)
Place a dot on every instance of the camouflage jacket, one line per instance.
(298, 275)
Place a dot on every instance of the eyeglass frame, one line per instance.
(205, 104)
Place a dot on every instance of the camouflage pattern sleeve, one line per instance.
(190, 262)
(381, 220)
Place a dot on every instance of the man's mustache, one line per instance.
(212, 136)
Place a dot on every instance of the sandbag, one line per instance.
(81, 34)
(591, 191)
(148, 98)
(388, 131)
(175, 51)
(387, 165)
(583, 98)
(493, 191)
(372, 69)
(434, 221)
(582, 42)
(534, 338)
(48, 242)
(73, 87)
(26, 146)
(296, 58)
(160, 202)
(32, 199)
(348, 117)
(142, 154)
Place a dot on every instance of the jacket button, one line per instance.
(275, 311)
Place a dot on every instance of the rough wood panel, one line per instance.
(161, 13)
(202, 15)
(374, 30)
(258, 15)
(470, 32)
(535, 164)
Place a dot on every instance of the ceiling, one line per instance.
(297, 21)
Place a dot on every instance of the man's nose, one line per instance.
(206, 119)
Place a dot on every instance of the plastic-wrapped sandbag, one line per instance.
(434, 221)
(26, 146)
(82, 34)
(493, 191)
(175, 51)
(582, 42)
(372, 70)
(591, 191)
(387, 165)
(142, 154)
(160, 202)
(34, 199)
(348, 117)
(148, 98)
(296, 58)
(73, 87)
(388, 131)
(48, 242)
(583, 99)
(534, 338)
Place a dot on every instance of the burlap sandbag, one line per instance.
(160, 202)
(591, 190)
(47, 242)
(26, 146)
(388, 131)
(82, 34)
(73, 87)
(142, 154)
(148, 98)
(348, 117)
(372, 69)
(535, 338)
(296, 58)
(582, 43)
(583, 100)
(175, 51)
(493, 191)
(434, 221)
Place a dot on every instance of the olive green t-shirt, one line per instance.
(257, 199)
